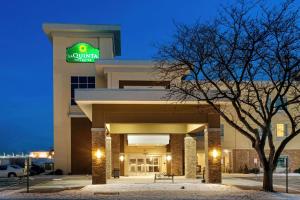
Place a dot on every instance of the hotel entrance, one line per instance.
(140, 165)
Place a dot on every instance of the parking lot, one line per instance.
(280, 180)
(251, 181)
(14, 183)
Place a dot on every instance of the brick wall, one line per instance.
(240, 157)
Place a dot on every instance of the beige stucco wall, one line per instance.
(234, 140)
(117, 76)
(62, 71)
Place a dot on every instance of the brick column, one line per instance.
(108, 157)
(176, 148)
(212, 139)
(190, 157)
(98, 164)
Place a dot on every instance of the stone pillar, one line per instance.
(213, 155)
(108, 157)
(190, 157)
(98, 164)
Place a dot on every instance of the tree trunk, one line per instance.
(268, 180)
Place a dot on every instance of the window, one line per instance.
(3, 167)
(222, 130)
(281, 130)
(15, 166)
(81, 82)
(281, 162)
(278, 103)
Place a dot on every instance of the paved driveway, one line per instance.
(251, 181)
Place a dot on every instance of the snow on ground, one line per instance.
(151, 191)
(79, 187)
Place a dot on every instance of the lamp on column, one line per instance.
(122, 157)
(98, 154)
(168, 157)
(215, 153)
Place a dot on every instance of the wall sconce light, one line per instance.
(169, 158)
(98, 154)
(215, 153)
(122, 157)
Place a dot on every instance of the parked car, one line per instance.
(11, 171)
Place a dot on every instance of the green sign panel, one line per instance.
(82, 53)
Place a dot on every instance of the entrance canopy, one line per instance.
(85, 98)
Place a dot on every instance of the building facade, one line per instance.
(111, 115)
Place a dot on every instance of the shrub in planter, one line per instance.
(297, 170)
(58, 172)
(254, 171)
(246, 169)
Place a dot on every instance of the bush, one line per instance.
(297, 170)
(246, 170)
(254, 171)
(58, 172)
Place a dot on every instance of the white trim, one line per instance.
(98, 130)
(212, 129)
(77, 116)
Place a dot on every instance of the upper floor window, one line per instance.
(281, 130)
(279, 103)
(81, 82)
(222, 130)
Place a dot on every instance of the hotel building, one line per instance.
(112, 114)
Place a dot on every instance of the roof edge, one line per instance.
(50, 28)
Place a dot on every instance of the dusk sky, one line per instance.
(26, 120)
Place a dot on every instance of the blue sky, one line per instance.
(26, 120)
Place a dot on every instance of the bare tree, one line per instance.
(248, 59)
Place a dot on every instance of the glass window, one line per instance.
(15, 166)
(81, 82)
(91, 79)
(3, 167)
(82, 79)
(222, 130)
(281, 130)
(91, 85)
(281, 161)
(74, 79)
(83, 86)
(279, 103)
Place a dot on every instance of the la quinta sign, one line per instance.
(82, 52)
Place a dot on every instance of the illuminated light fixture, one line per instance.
(43, 155)
(122, 158)
(98, 154)
(215, 153)
(169, 157)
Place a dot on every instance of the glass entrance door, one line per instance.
(152, 164)
(144, 165)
